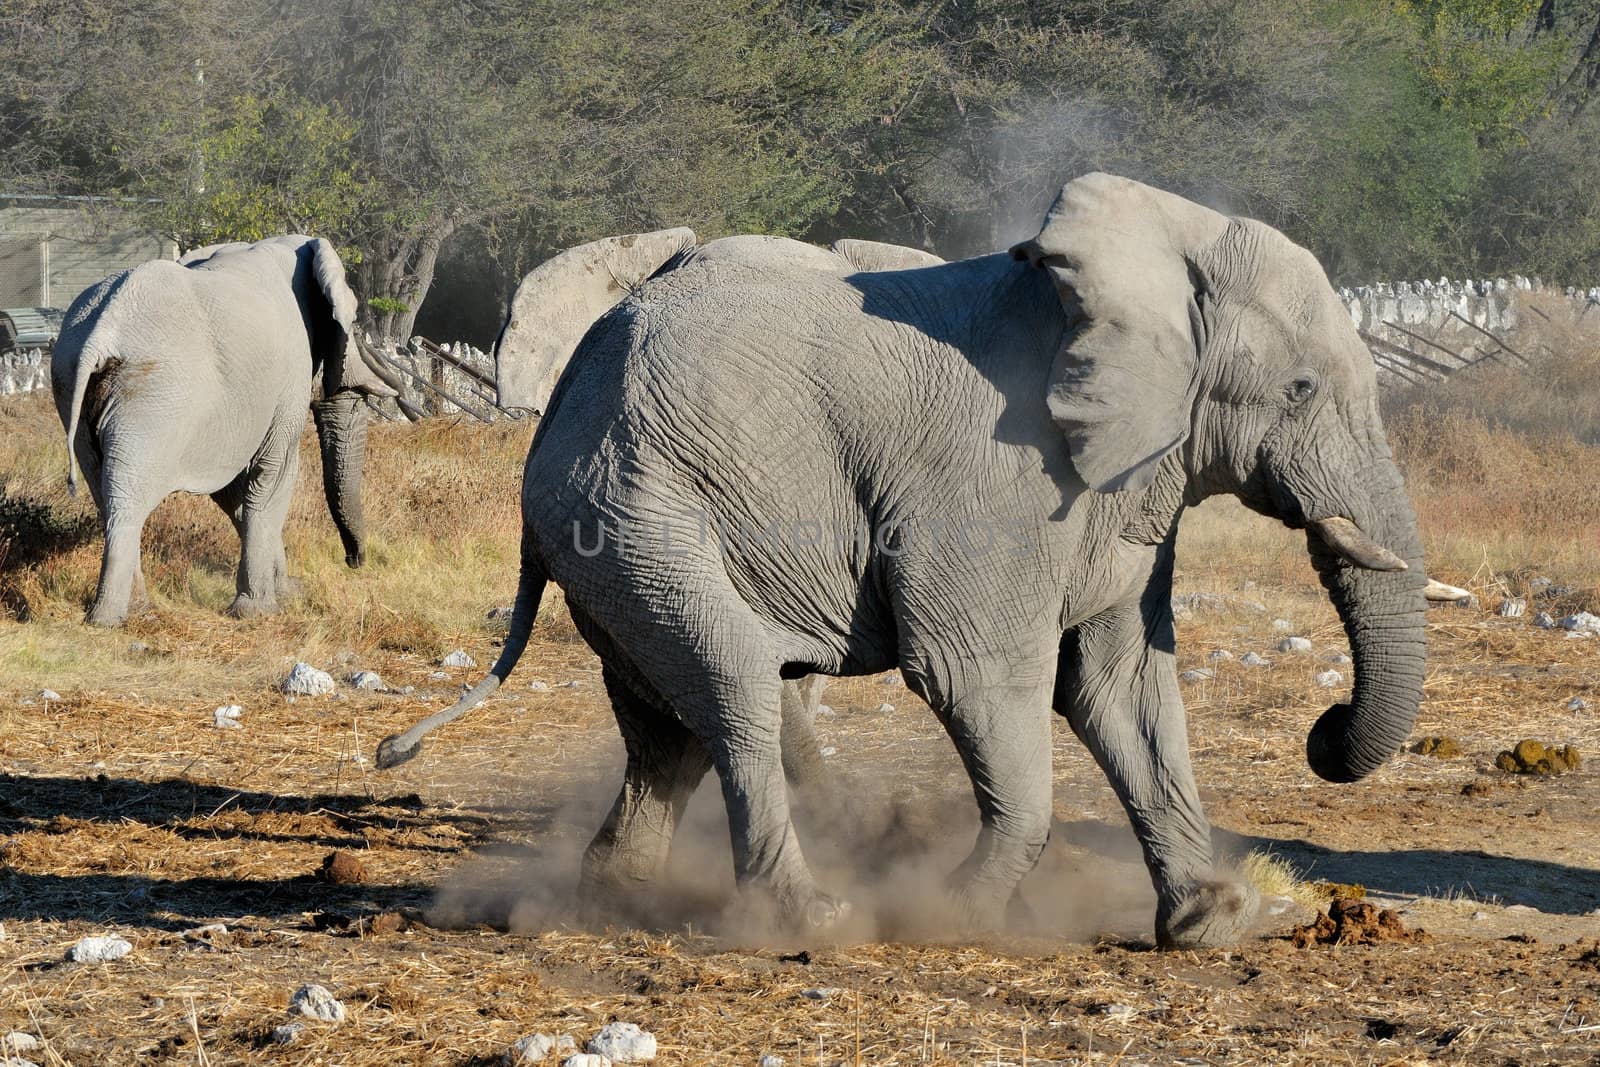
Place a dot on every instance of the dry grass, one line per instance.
(123, 811)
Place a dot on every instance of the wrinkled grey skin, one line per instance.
(557, 302)
(1139, 355)
(195, 376)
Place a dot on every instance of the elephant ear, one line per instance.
(559, 300)
(1123, 258)
(343, 368)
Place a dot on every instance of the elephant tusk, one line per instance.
(1439, 593)
(1346, 538)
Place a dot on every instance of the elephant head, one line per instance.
(1220, 340)
(557, 302)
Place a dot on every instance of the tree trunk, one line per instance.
(399, 271)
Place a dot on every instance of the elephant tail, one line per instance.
(90, 362)
(398, 748)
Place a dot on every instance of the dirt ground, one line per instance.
(124, 811)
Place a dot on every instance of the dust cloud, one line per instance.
(888, 848)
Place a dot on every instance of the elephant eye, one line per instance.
(1303, 388)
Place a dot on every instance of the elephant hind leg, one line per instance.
(665, 765)
(121, 586)
(258, 503)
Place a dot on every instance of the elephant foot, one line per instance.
(250, 607)
(802, 915)
(110, 618)
(1208, 914)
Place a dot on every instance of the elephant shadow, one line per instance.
(60, 886)
(1550, 887)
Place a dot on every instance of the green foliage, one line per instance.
(269, 165)
(384, 305)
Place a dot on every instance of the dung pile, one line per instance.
(1354, 922)
(1439, 747)
(1536, 757)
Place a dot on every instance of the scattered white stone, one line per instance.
(371, 681)
(1250, 659)
(1539, 585)
(458, 658)
(1282, 624)
(538, 687)
(206, 934)
(1114, 1011)
(826, 712)
(574, 684)
(306, 681)
(585, 1059)
(624, 1043)
(17, 1061)
(407, 690)
(1219, 655)
(1254, 605)
(1582, 622)
(1295, 644)
(535, 1047)
(1512, 607)
(1199, 674)
(288, 1033)
(438, 676)
(1329, 679)
(884, 709)
(227, 717)
(1577, 704)
(1339, 658)
(892, 679)
(770, 1060)
(138, 648)
(820, 993)
(98, 950)
(1181, 612)
(315, 1002)
(48, 695)
(20, 1041)
(1544, 621)
(1580, 635)
(830, 751)
(1479, 916)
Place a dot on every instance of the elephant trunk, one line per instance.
(1382, 611)
(342, 434)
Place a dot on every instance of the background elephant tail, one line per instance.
(91, 360)
(398, 748)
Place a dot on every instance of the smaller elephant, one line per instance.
(195, 376)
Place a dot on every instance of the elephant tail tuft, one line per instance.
(398, 748)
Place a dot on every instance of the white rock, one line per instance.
(820, 993)
(574, 684)
(830, 751)
(1282, 624)
(19, 1041)
(1199, 674)
(892, 679)
(1339, 658)
(458, 658)
(1582, 622)
(438, 676)
(1577, 704)
(537, 686)
(48, 695)
(227, 717)
(1329, 679)
(1295, 644)
(16, 1061)
(884, 709)
(770, 1060)
(1181, 612)
(98, 950)
(1544, 621)
(288, 1033)
(371, 681)
(624, 1043)
(825, 712)
(1250, 659)
(315, 1002)
(535, 1047)
(1114, 1011)
(306, 681)
(585, 1059)
(1512, 607)
(1219, 655)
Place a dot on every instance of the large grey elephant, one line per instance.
(557, 302)
(195, 376)
(975, 472)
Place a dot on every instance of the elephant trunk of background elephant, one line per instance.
(342, 434)
(1382, 612)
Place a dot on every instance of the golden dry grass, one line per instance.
(123, 811)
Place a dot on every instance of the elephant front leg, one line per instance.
(258, 503)
(1117, 685)
(1002, 731)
